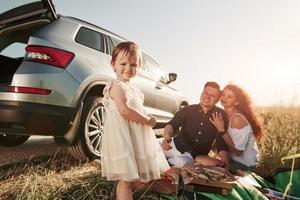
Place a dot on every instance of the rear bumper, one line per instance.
(34, 118)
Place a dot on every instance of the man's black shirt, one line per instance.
(197, 133)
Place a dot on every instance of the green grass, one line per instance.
(58, 177)
(62, 177)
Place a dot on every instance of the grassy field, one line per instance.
(282, 138)
(58, 177)
(61, 177)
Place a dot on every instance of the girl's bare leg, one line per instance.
(124, 190)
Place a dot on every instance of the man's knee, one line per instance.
(208, 161)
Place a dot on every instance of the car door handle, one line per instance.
(158, 87)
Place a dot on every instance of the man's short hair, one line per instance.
(212, 84)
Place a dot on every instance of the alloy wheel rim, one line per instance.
(94, 129)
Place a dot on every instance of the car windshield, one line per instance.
(9, 5)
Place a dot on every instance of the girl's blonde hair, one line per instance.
(128, 48)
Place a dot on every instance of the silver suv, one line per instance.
(52, 73)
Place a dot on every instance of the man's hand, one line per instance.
(166, 144)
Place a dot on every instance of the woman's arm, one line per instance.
(230, 144)
(238, 124)
(118, 95)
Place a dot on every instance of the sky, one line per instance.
(254, 43)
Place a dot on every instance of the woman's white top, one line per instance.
(244, 140)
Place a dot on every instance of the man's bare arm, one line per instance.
(168, 133)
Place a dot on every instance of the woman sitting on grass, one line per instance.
(243, 131)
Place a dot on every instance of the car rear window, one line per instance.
(90, 38)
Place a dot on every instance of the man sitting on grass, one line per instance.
(197, 134)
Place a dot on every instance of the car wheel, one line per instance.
(87, 145)
(12, 140)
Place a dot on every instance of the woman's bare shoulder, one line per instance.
(238, 122)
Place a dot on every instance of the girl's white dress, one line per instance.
(130, 150)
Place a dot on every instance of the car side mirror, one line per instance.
(172, 77)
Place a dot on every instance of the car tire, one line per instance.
(87, 145)
(10, 140)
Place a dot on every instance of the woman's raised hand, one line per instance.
(218, 121)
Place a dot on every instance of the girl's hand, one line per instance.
(218, 121)
(151, 121)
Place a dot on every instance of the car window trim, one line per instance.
(49, 3)
(109, 48)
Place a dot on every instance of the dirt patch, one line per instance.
(35, 147)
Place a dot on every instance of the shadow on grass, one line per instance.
(58, 177)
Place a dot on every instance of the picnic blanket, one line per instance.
(280, 180)
(241, 191)
(247, 191)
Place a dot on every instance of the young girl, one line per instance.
(130, 151)
(243, 131)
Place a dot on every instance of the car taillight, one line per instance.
(48, 55)
(29, 90)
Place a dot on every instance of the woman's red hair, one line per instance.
(245, 107)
